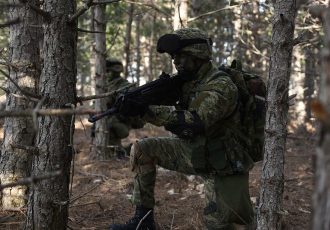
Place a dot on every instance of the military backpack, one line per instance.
(251, 106)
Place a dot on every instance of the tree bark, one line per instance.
(138, 49)
(49, 199)
(101, 130)
(269, 213)
(24, 53)
(180, 19)
(309, 81)
(321, 199)
(128, 40)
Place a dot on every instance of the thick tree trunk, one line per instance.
(15, 162)
(321, 220)
(272, 180)
(49, 199)
(101, 130)
(180, 19)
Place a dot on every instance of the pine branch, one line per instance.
(31, 180)
(10, 23)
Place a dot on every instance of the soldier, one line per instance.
(118, 126)
(208, 142)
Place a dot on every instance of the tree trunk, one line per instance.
(128, 40)
(24, 53)
(309, 80)
(49, 199)
(180, 19)
(272, 180)
(138, 49)
(321, 219)
(101, 130)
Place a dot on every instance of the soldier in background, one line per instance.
(118, 126)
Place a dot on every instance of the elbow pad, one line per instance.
(186, 130)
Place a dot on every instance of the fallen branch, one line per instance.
(31, 180)
(84, 194)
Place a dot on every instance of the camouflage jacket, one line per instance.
(214, 97)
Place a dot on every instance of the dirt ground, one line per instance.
(101, 190)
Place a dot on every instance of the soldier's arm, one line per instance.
(215, 101)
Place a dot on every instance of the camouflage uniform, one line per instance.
(219, 155)
(119, 126)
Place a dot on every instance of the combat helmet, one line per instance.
(114, 65)
(190, 40)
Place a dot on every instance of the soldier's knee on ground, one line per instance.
(141, 162)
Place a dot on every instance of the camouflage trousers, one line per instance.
(227, 199)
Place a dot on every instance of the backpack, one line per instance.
(252, 108)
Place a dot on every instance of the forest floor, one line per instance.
(101, 190)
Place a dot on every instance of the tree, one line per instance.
(19, 133)
(180, 18)
(269, 211)
(49, 199)
(101, 128)
(321, 217)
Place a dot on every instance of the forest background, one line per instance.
(239, 30)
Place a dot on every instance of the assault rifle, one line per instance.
(166, 90)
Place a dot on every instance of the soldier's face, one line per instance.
(185, 63)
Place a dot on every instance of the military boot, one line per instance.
(141, 212)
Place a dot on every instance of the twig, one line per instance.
(87, 98)
(28, 94)
(90, 31)
(85, 193)
(89, 203)
(46, 112)
(213, 12)
(150, 5)
(81, 11)
(172, 220)
(145, 216)
(104, 2)
(31, 180)
(104, 178)
(9, 23)
(5, 89)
